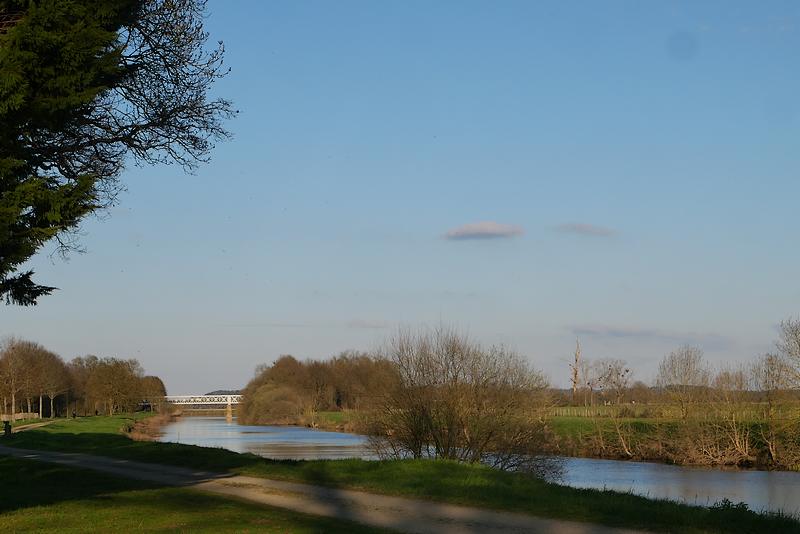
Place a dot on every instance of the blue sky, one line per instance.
(638, 160)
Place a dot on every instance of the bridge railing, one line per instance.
(203, 399)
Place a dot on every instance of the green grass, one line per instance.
(643, 411)
(436, 480)
(49, 498)
(336, 418)
(28, 421)
(486, 487)
(573, 427)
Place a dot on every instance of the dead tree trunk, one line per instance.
(575, 371)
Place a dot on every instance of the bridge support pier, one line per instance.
(229, 411)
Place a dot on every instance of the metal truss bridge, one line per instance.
(203, 400)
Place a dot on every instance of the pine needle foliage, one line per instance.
(86, 87)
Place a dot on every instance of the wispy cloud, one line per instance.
(353, 323)
(706, 340)
(269, 325)
(484, 230)
(371, 324)
(590, 230)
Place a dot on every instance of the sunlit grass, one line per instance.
(437, 480)
(50, 498)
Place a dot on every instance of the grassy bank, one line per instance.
(571, 428)
(23, 422)
(443, 481)
(46, 498)
(338, 421)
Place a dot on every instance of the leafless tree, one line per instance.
(772, 377)
(460, 401)
(588, 379)
(80, 369)
(12, 369)
(789, 348)
(54, 379)
(729, 419)
(153, 391)
(575, 371)
(684, 376)
(116, 383)
(640, 392)
(614, 378)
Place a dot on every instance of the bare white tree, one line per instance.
(575, 371)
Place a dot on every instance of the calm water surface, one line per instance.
(761, 490)
(279, 442)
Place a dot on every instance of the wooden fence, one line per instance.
(19, 416)
(744, 411)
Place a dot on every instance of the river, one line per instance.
(761, 490)
(279, 442)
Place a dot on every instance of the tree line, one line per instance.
(291, 391)
(425, 394)
(35, 380)
(437, 393)
(693, 413)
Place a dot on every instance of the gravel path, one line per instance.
(29, 426)
(397, 513)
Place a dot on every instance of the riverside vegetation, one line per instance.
(103, 499)
(441, 395)
(35, 381)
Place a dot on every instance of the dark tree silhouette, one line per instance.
(88, 87)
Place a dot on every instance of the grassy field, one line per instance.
(46, 498)
(23, 422)
(437, 480)
(335, 418)
(572, 427)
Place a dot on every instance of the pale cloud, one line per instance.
(353, 323)
(484, 230)
(707, 340)
(590, 230)
(268, 325)
(371, 324)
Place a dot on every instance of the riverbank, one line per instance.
(380, 511)
(351, 422)
(49, 498)
(149, 427)
(691, 442)
(637, 439)
(430, 480)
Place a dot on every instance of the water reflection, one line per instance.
(279, 442)
(761, 490)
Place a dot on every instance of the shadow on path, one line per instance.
(383, 511)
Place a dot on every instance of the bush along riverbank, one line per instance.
(691, 442)
(695, 440)
(437, 389)
(148, 426)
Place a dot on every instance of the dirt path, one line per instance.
(397, 513)
(29, 426)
